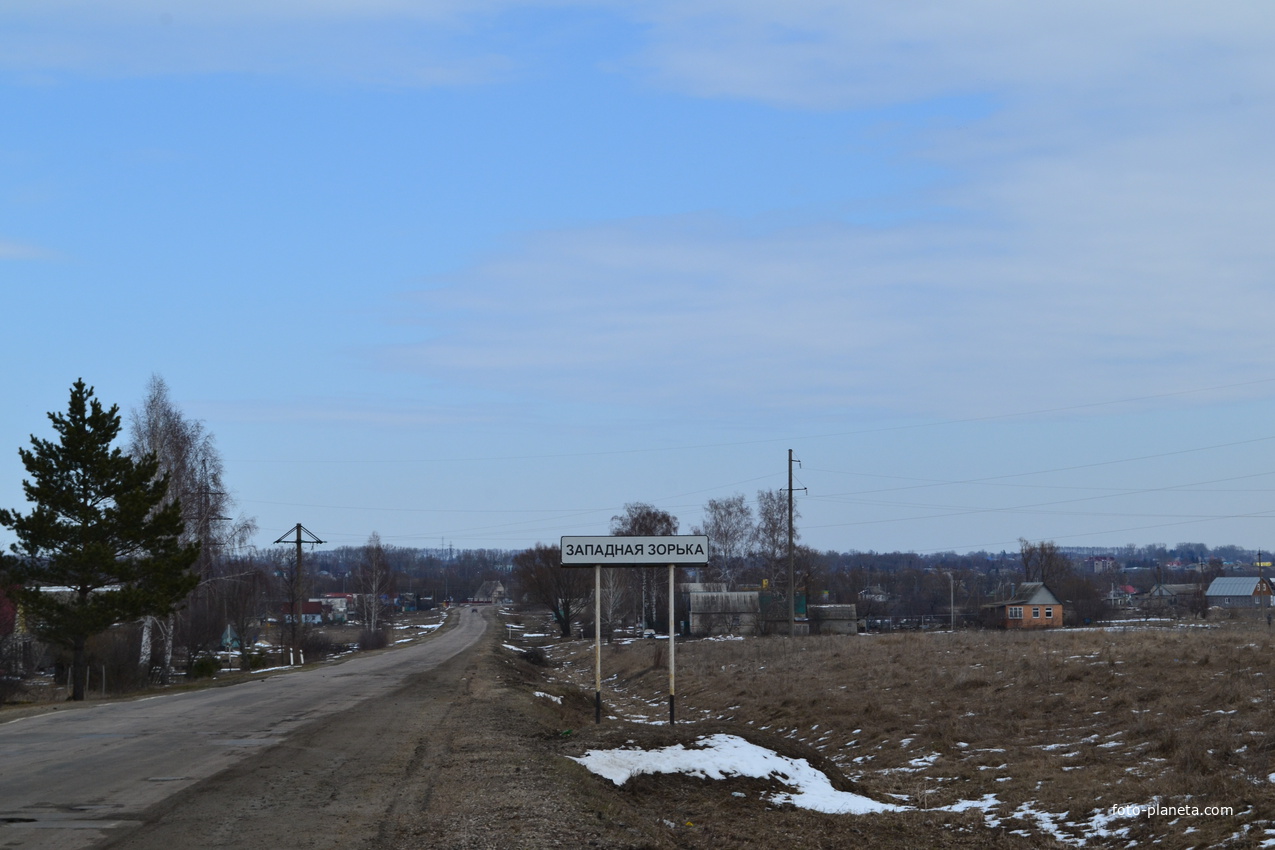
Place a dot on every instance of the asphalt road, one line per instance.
(76, 776)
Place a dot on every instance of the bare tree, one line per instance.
(616, 593)
(644, 520)
(729, 526)
(243, 591)
(1043, 562)
(770, 540)
(293, 572)
(373, 580)
(188, 455)
(564, 591)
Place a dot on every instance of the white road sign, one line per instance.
(683, 550)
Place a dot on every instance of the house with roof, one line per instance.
(311, 612)
(491, 591)
(875, 593)
(1033, 606)
(1122, 596)
(1239, 592)
(1162, 596)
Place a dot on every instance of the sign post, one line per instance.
(673, 551)
(597, 643)
(672, 646)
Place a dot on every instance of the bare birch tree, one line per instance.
(616, 593)
(188, 454)
(770, 540)
(729, 526)
(373, 580)
(644, 520)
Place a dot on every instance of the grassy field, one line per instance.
(1100, 737)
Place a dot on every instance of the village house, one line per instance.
(1170, 596)
(1033, 606)
(491, 591)
(1122, 596)
(337, 606)
(1239, 592)
(311, 612)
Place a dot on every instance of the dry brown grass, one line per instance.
(1059, 726)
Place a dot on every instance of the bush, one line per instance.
(204, 667)
(254, 659)
(11, 687)
(369, 639)
(316, 646)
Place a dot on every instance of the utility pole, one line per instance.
(792, 582)
(951, 605)
(297, 604)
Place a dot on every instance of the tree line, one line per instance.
(145, 536)
(130, 552)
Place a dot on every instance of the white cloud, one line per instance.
(834, 54)
(1083, 282)
(21, 251)
(386, 42)
(1106, 233)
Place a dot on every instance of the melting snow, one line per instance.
(723, 756)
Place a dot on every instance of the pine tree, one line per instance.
(99, 533)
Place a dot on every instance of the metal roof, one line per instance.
(1233, 586)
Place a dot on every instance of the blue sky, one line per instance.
(484, 272)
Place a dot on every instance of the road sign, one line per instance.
(682, 550)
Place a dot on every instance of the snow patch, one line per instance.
(723, 756)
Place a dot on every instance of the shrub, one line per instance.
(369, 639)
(11, 687)
(316, 645)
(204, 667)
(254, 659)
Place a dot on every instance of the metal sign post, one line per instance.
(597, 644)
(672, 551)
(672, 645)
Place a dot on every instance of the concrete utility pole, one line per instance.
(792, 582)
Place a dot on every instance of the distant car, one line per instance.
(648, 633)
(475, 610)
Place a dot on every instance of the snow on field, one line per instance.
(724, 756)
(548, 696)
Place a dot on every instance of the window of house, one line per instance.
(1049, 613)
(1016, 613)
(1035, 613)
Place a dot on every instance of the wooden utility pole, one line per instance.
(295, 587)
